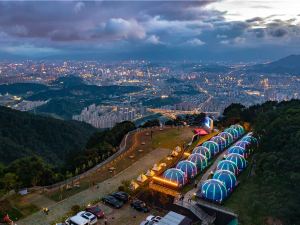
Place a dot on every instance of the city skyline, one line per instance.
(154, 30)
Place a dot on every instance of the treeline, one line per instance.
(275, 190)
(38, 150)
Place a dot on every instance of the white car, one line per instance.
(145, 222)
(153, 218)
(77, 220)
(88, 216)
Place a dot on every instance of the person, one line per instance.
(105, 221)
(195, 184)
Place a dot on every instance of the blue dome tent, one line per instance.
(199, 159)
(220, 141)
(238, 150)
(227, 165)
(242, 144)
(227, 178)
(239, 128)
(203, 150)
(212, 146)
(213, 190)
(239, 160)
(234, 132)
(189, 168)
(227, 136)
(175, 175)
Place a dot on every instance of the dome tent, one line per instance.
(250, 139)
(242, 144)
(212, 146)
(227, 178)
(203, 150)
(220, 141)
(175, 175)
(227, 165)
(234, 132)
(239, 160)
(238, 150)
(199, 159)
(189, 168)
(239, 128)
(213, 190)
(227, 136)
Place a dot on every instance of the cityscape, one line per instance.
(149, 112)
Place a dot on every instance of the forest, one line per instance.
(38, 150)
(272, 194)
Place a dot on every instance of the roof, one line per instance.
(173, 218)
(200, 131)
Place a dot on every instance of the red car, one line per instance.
(95, 209)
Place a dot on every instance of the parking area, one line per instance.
(125, 216)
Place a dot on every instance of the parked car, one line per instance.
(88, 216)
(76, 220)
(111, 200)
(96, 210)
(139, 205)
(121, 195)
(145, 222)
(153, 218)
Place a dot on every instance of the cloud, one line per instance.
(128, 29)
(195, 42)
(153, 39)
(78, 7)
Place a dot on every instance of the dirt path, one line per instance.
(59, 209)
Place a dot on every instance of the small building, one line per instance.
(173, 218)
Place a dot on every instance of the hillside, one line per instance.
(271, 194)
(287, 65)
(24, 134)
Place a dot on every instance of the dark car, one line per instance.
(95, 209)
(111, 200)
(121, 195)
(139, 205)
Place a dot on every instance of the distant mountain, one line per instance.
(22, 88)
(23, 134)
(287, 65)
(68, 81)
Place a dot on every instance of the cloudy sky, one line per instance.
(234, 30)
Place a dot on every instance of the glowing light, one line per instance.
(165, 181)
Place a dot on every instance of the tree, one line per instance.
(10, 181)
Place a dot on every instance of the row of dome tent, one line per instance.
(198, 160)
(224, 179)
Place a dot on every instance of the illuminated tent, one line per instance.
(239, 160)
(134, 185)
(142, 178)
(189, 168)
(178, 149)
(242, 144)
(234, 132)
(199, 160)
(220, 141)
(212, 146)
(239, 128)
(227, 165)
(213, 190)
(250, 139)
(238, 150)
(227, 136)
(156, 167)
(150, 173)
(203, 150)
(175, 175)
(227, 178)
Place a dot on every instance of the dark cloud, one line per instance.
(87, 27)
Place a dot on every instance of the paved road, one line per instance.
(59, 209)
